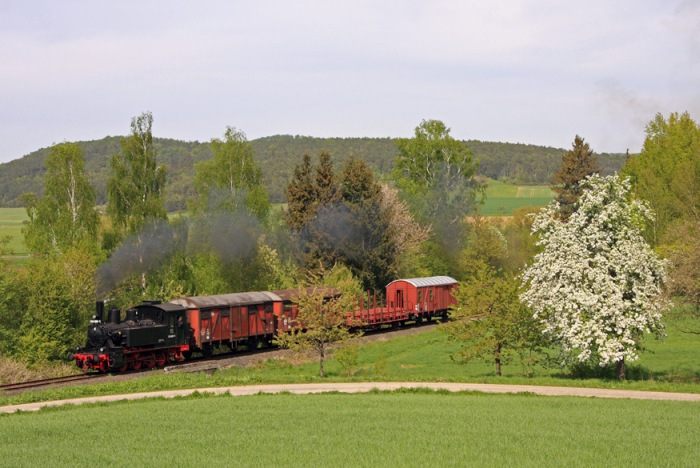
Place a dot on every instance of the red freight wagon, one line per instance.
(232, 319)
(422, 297)
(406, 299)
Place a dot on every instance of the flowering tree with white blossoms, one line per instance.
(597, 286)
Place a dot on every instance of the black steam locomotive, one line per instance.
(150, 335)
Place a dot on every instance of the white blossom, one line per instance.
(597, 285)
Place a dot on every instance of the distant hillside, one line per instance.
(277, 156)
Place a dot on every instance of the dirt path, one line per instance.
(360, 387)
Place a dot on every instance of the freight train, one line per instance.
(153, 334)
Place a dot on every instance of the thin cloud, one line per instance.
(536, 72)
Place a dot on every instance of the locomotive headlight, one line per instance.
(102, 350)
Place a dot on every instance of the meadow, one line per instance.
(11, 221)
(502, 199)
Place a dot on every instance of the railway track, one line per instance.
(46, 382)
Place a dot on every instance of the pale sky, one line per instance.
(536, 72)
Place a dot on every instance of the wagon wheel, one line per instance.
(207, 351)
(252, 343)
(187, 355)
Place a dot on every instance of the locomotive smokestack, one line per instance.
(100, 310)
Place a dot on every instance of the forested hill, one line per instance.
(277, 156)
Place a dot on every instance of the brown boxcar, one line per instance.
(232, 319)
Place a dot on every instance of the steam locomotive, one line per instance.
(154, 333)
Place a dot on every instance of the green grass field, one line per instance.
(407, 428)
(502, 199)
(11, 221)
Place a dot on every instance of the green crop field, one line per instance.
(502, 199)
(404, 428)
(11, 221)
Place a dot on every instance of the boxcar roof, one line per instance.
(430, 281)
(291, 295)
(224, 300)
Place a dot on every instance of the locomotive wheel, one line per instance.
(151, 363)
(161, 360)
(136, 364)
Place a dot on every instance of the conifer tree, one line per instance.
(326, 188)
(370, 251)
(300, 195)
(576, 164)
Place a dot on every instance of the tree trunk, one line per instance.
(321, 355)
(621, 375)
(497, 358)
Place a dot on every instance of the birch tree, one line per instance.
(65, 216)
(135, 190)
(232, 180)
(436, 172)
(597, 286)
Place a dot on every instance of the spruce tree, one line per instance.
(300, 195)
(576, 164)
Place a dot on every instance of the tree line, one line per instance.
(509, 162)
(349, 226)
